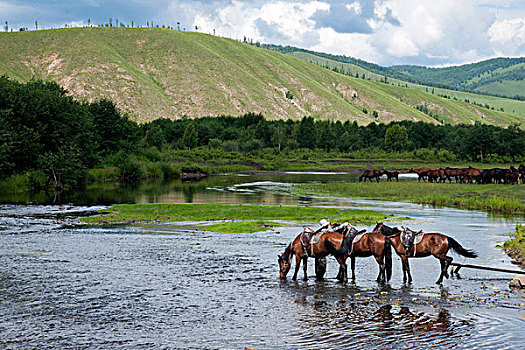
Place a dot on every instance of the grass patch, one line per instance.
(246, 226)
(495, 198)
(246, 218)
(516, 246)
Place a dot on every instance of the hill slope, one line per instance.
(500, 76)
(155, 73)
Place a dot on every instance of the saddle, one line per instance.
(306, 236)
(411, 238)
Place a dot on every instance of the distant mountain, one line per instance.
(161, 73)
(498, 76)
(503, 77)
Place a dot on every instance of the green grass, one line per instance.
(494, 198)
(247, 218)
(154, 73)
(515, 247)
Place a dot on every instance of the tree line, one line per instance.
(45, 132)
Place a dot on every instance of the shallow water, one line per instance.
(170, 286)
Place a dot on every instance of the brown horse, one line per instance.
(421, 172)
(371, 174)
(391, 175)
(435, 244)
(331, 243)
(373, 244)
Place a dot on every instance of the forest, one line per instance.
(56, 139)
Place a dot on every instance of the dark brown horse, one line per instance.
(391, 175)
(371, 174)
(435, 244)
(331, 243)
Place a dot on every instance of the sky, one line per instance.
(432, 33)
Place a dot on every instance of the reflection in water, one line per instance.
(371, 320)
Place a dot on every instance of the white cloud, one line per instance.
(507, 37)
(507, 31)
(355, 6)
(354, 44)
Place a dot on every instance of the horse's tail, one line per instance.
(343, 250)
(388, 258)
(452, 243)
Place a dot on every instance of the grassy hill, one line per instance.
(508, 105)
(160, 73)
(500, 76)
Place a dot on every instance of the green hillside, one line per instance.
(160, 73)
(499, 76)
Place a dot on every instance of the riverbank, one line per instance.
(225, 218)
(515, 247)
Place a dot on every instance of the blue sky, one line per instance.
(422, 32)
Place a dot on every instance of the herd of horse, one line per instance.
(344, 241)
(511, 175)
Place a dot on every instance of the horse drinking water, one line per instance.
(335, 242)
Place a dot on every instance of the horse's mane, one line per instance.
(287, 252)
(386, 230)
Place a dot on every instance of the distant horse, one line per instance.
(421, 172)
(435, 244)
(391, 175)
(453, 172)
(470, 174)
(371, 174)
(330, 243)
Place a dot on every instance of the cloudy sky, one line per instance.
(387, 32)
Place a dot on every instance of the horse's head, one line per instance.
(284, 265)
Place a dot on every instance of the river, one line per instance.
(169, 286)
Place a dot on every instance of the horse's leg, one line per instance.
(343, 269)
(320, 268)
(352, 263)
(406, 269)
(297, 266)
(305, 268)
(445, 263)
(381, 276)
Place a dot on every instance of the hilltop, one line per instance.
(161, 73)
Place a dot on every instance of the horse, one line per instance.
(421, 172)
(330, 243)
(435, 244)
(377, 245)
(453, 172)
(370, 174)
(391, 175)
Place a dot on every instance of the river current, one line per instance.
(173, 286)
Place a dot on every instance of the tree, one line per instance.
(278, 137)
(178, 25)
(36, 24)
(89, 22)
(190, 136)
(306, 136)
(396, 137)
(6, 27)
